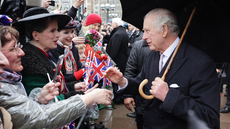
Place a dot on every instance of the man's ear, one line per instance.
(35, 35)
(165, 30)
(116, 24)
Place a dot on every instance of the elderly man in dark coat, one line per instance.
(190, 84)
(117, 49)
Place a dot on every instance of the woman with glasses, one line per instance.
(11, 77)
(26, 113)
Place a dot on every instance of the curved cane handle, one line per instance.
(144, 82)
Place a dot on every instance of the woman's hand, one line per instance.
(78, 3)
(48, 92)
(95, 95)
(46, 3)
(78, 40)
(102, 96)
(81, 86)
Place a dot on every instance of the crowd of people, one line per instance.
(31, 96)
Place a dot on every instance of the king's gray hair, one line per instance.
(164, 16)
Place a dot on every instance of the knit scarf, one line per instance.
(11, 75)
(69, 61)
(15, 78)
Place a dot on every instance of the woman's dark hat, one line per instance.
(71, 24)
(36, 13)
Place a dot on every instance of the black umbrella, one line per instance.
(208, 29)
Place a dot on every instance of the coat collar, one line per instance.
(115, 29)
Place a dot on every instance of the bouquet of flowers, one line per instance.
(92, 37)
(94, 45)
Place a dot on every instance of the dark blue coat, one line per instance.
(195, 73)
(118, 46)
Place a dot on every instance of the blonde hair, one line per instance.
(80, 46)
(89, 27)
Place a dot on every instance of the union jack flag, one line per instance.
(107, 81)
(88, 72)
(98, 69)
(98, 45)
(91, 80)
(68, 126)
(95, 69)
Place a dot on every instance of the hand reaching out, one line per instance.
(114, 74)
(95, 95)
(78, 40)
(78, 3)
(81, 86)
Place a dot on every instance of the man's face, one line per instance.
(153, 37)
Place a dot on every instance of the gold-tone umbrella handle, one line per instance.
(144, 82)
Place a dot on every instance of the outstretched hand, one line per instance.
(96, 95)
(81, 86)
(94, 87)
(78, 40)
(114, 74)
(78, 3)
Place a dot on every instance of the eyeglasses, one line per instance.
(17, 46)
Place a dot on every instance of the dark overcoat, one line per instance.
(118, 46)
(194, 72)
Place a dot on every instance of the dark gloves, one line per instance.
(72, 93)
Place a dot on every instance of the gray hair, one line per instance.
(164, 16)
(118, 21)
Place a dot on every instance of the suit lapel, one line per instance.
(176, 64)
(152, 69)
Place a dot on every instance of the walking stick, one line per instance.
(145, 81)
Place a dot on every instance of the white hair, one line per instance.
(118, 21)
(164, 16)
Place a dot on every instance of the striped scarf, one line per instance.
(69, 61)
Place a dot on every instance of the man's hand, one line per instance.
(114, 74)
(159, 89)
(128, 103)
